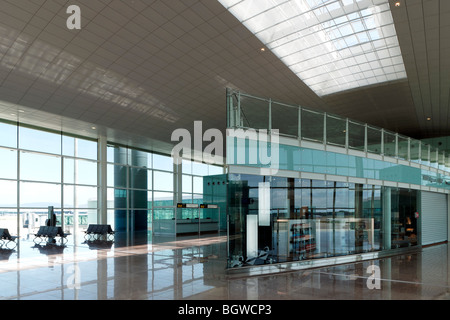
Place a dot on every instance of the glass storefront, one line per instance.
(277, 219)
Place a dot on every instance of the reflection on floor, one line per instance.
(194, 268)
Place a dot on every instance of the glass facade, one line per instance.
(145, 187)
(42, 168)
(277, 219)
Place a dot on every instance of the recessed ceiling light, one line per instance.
(397, 4)
(263, 49)
(93, 128)
(428, 119)
(21, 111)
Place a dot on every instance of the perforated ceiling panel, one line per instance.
(139, 69)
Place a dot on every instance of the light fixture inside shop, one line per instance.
(332, 45)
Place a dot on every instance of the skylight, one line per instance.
(332, 45)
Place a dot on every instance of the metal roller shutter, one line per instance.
(434, 217)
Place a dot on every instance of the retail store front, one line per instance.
(276, 219)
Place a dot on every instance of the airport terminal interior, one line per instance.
(224, 150)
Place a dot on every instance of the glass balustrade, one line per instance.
(246, 111)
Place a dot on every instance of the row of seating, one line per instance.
(95, 230)
(50, 233)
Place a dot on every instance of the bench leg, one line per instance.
(37, 237)
(7, 244)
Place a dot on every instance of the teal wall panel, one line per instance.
(324, 162)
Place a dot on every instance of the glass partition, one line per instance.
(312, 125)
(373, 140)
(425, 154)
(356, 135)
(389, 144)
(403, 147)
(434, 157)
(254, 113)
(414, 150)
(285, 119)
(336, 131)
(441, 160)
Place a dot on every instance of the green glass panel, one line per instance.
(425, 157)
(312, 125)
(389, 144)
(285, 119)
(336, 131)
(254, 113)
(374, 140)
(403, 148)
(356, 135)
(415, 151)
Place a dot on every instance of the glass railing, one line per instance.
(247, 111)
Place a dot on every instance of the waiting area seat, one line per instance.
(95, 230)
(50, 233)
(6, 238)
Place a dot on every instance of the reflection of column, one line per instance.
(177, 274)
(386, 219)
(386, 273)
(102, 277)
(135, 284)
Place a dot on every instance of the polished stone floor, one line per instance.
(193, 268)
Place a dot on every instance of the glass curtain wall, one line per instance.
(278, 219)
(192, 185)
(42, 168)
(144, 187)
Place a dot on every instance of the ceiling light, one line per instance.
(397, 4)
(428, 119)
(330, 45)
(93, 128)
(263, 49)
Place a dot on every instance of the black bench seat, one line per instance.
(99, 230)
(50, 232)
